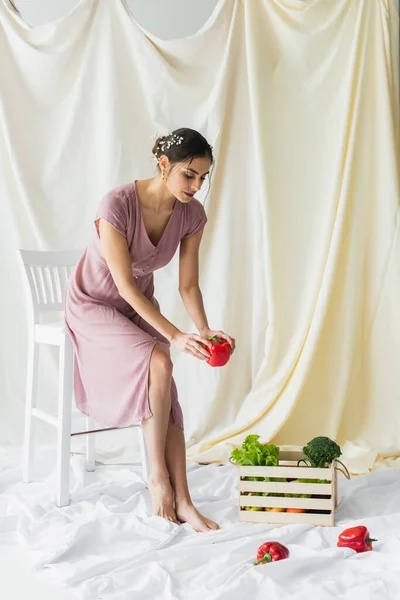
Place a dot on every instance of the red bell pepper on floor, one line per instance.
(220, 352)
(356, 538)
(271, 552)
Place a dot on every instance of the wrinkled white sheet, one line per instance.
(107, 545)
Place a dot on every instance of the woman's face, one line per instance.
(183, 180)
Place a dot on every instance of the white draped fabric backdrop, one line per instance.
(300, 257)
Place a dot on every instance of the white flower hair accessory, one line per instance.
(166, 141)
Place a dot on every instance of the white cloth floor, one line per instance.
(107, 544)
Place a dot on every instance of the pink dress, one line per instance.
(112, 343)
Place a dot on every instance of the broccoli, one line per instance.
(321, 452)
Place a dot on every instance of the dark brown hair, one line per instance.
(182, 145)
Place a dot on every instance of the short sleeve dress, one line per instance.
(112, 343)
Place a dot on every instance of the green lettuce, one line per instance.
(252, 453)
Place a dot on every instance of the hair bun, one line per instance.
(164, 143)
(181, 145)
(156, 147)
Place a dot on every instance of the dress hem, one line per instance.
(135, 424)
(103, 422)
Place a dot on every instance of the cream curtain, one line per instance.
(300, 258)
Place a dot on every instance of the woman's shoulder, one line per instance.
(116, 206)
(196, 217)
(122, 191)
(119, 198)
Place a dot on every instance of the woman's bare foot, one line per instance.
(186, 512)
(162, 498)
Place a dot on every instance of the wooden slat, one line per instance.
(48, 285)
(45, 416)
(295, 472)
(335, 492)
(286, 488)
(290, 455)
(285, 518)
(40, 285)
(58, 285)
(64, 275)
(274, 502)
(30, 272)
(53, 285)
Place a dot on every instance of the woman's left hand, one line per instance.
(221, 335)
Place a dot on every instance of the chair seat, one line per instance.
(50, 333)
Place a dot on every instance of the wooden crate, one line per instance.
(288, 469)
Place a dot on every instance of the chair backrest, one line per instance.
(47, 272)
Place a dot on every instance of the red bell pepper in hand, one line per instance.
(220, 352)
(271, 552)
(356, 538)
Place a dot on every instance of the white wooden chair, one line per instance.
(47, 274)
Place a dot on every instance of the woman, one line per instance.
(123, 369)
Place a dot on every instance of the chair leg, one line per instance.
(90, 446)
(30, 403)
(65, 387)
(144, 455)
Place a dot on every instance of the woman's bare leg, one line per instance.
(175, 455)
(155, 433)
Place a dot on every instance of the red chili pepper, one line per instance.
(356, 538)
(271, 552)
(220, 352)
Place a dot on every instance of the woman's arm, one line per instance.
(190, 291)
(189, 281)
(116, 254)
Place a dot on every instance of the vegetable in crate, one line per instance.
(288, 495)
(252, 453)
(220, 352)
(356, 538)
(274, 480)
(253, 507)
(322, 496)
(321, 452)
(271, 552)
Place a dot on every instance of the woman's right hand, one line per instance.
(193, 344)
